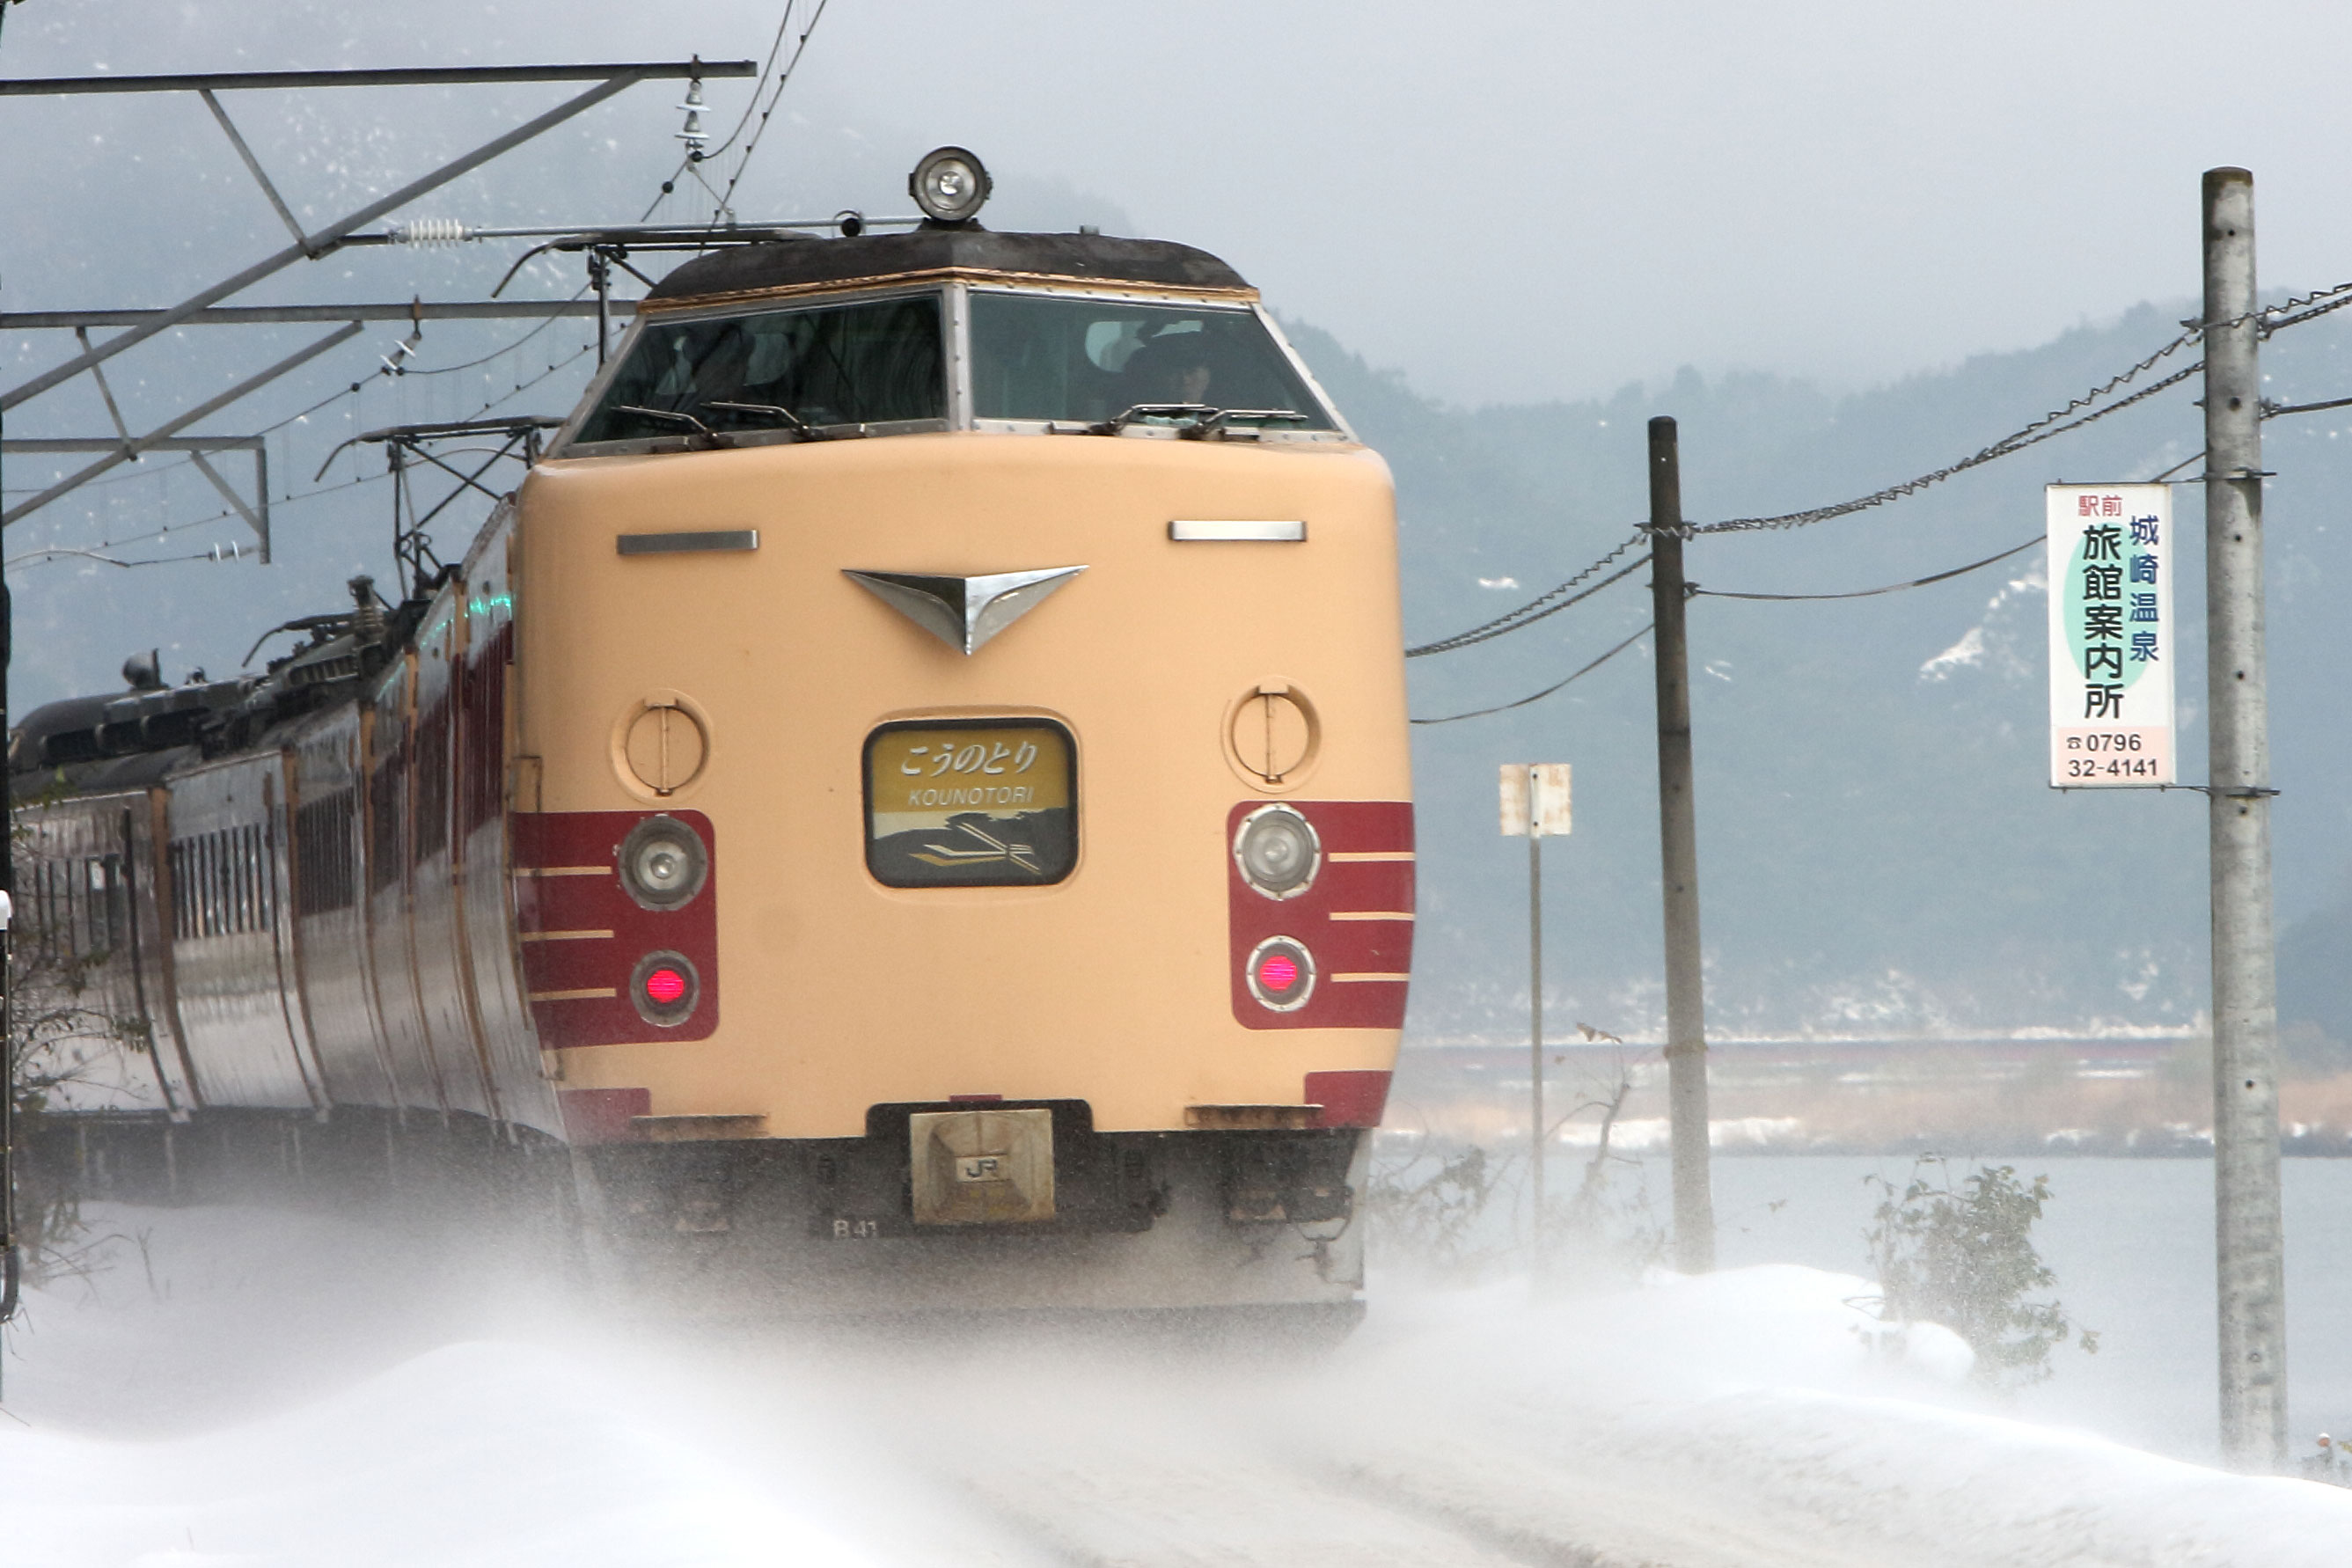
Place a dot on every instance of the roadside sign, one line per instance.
(2111, 642)
(1548, 782)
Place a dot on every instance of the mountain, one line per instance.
(1880, 853)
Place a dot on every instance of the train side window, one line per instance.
(183, 889)
(68, 921)
(118, 901)
(257, 883)
(99, 872)
(979, 803)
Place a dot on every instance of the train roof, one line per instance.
(102, 775)
(802, 263)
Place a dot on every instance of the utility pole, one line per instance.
(2249, 1229)
(1678, 851)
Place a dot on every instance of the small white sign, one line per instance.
(1548, 782)
(2111, 643)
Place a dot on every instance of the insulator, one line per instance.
(430, 231)
(694, 136)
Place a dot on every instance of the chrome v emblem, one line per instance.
(962, 611)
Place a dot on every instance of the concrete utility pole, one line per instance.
(2249, 1231)
(1678, 849)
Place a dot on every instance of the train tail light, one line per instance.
(665, 987)
(1281, 974)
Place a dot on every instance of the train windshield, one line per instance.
(874, 363)
(1074, 357)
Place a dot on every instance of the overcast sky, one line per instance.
(1507, 200)
(1511, 201)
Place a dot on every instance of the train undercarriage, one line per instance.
(1254, 1225)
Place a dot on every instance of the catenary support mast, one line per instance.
(1678, 849)
(2249, 1241)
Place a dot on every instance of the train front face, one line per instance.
(964, 792)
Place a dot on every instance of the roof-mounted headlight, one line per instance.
(949, 184)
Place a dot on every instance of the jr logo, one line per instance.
(979, 1168)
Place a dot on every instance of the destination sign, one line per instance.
(987, 803)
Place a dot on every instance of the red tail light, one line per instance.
(1281, 974)
(665, 988)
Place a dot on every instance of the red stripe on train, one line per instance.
(1353, 1098)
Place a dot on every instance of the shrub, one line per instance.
(1964, 1256)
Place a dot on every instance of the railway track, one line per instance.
(1041, 1456)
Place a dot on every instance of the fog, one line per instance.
(256, 1386)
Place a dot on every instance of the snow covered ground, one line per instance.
(249, 1388)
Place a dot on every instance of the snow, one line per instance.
(472, 1454)
(267, 1389)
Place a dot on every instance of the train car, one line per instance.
(910, 795)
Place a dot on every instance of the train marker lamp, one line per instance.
(950, 185)
(1277, 851)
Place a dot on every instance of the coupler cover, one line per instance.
(982, 1167)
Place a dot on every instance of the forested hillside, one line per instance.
(1880, 852)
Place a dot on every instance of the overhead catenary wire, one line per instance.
(775, 46)
(1694, 591)
(1547, 691)
(1538, 609)
(397, 367)
(775, 96)
(1697, 591)
(2292, 311)
(166, 532)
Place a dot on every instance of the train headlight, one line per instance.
(663, 863)
(1277, 851)
(665, 987)
(1281, 974)
(949, 184)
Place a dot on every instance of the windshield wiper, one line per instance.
(695, 426)
(1206, 418)
(1151, 411)
(1218, 419)
(792, 421)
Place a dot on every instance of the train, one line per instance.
(906, 805)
